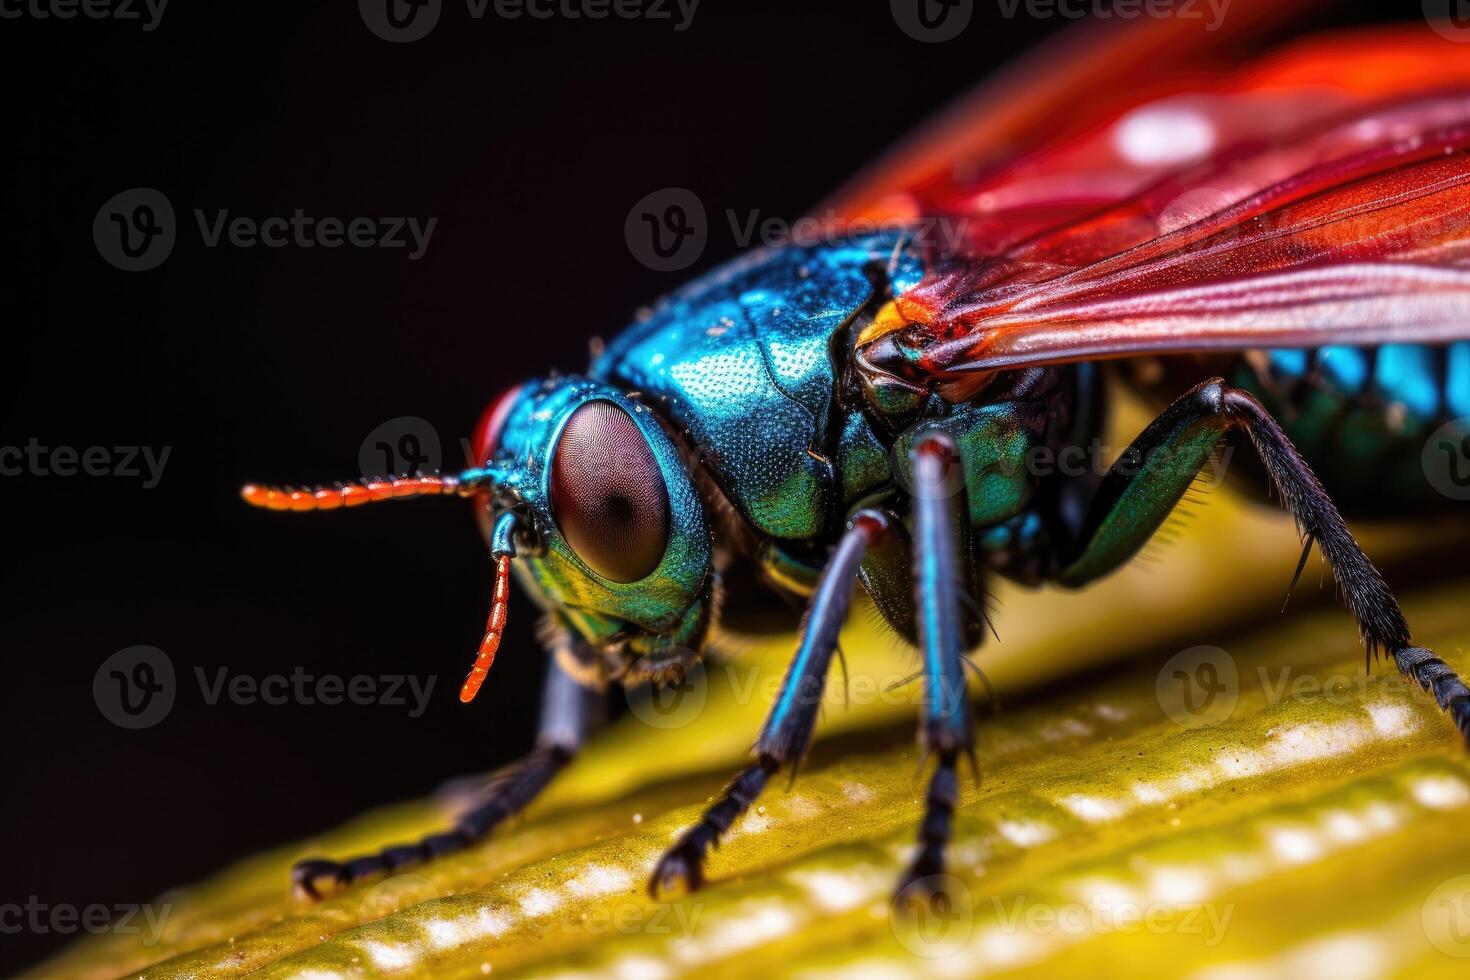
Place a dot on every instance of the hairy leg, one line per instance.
(788, 727)
(946, 727)
(1142, 487)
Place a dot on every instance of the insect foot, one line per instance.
(685, 860)
(308, 878)
(1436, 677)
(681, 865)
(924, 879)
(923, 891)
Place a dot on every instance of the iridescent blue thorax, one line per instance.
(742, 361)
(739, 383)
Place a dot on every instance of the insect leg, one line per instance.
(788, 727)
(945, 728)
(1380, 621)
(567, 711)
(1143, 486)
(887, 574)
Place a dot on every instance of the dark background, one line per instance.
(530, 141)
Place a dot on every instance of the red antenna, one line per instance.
(502, 549)
(494, 630)
(352, 494)
(466, 484)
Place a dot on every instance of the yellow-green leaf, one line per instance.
(1298, 817)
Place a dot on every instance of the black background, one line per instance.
(530, 141)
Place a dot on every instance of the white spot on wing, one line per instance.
(1159, 135)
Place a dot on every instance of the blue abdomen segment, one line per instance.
(1361, 415)
(741, 359)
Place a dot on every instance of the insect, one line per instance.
(1278, 252)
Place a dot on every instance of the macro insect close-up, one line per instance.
(1209, 255)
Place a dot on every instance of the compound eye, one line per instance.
(608, 493)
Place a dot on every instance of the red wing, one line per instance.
(1319, 196)
(1073, 84)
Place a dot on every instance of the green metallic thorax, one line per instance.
(746, 363)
